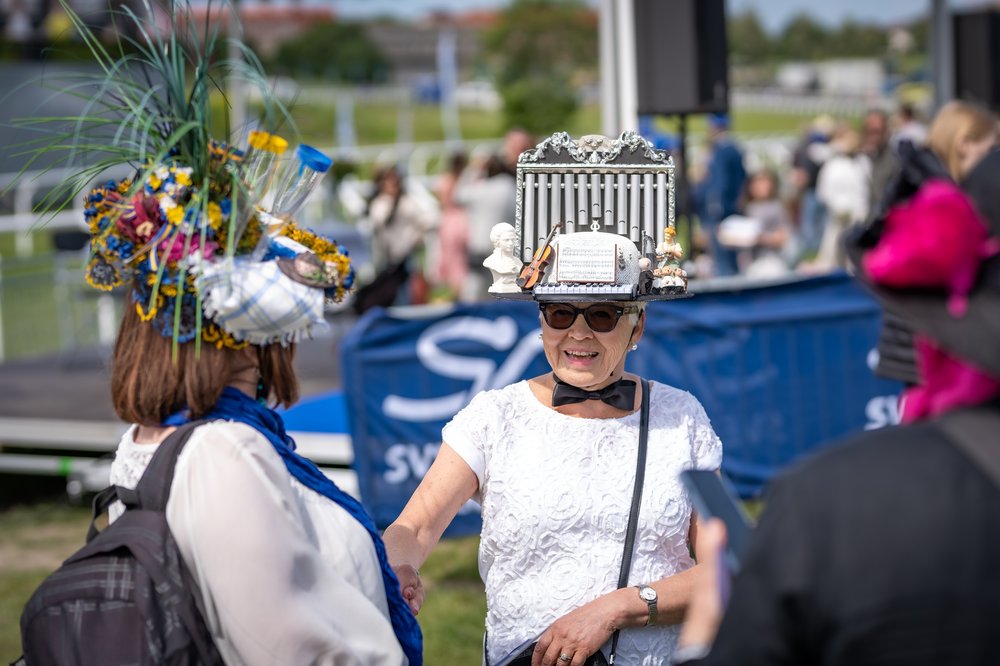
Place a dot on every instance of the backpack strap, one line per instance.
(153, 489)
(974, 432)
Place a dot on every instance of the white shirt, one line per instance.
(555, 493)
(843, 186)
(488, 201)
(399, 237)
(285, 575)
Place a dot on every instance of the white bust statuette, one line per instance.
(502, 263)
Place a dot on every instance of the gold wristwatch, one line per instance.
(648, 594)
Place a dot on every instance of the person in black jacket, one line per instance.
(885, 549)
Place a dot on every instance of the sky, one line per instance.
(773, 13)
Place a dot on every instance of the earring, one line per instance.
(261, 390)
(539, 336)
(633, 347)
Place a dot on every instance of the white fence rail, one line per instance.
(68, 448)
(27, 188)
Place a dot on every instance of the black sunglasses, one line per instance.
(601, 318)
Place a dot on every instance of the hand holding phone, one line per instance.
(713, 497)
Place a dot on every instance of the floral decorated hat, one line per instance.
(203, 232)
(594, 222)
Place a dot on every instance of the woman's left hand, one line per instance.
(578, 634)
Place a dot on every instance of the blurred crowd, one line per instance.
(780, 219)
(751, 218)
(429, 244)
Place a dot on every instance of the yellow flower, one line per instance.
(277, 145)
(145, 315)
(154, 181)
(183, 176)
(175, 215)
(213, 334)
(259, 140)
(214, 214)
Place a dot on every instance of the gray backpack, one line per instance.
(125, 597)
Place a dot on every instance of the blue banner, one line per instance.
(781, 370)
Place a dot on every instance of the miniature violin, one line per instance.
(535, 269)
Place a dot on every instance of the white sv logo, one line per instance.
(500, 334)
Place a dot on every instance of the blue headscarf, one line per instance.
(235, 405)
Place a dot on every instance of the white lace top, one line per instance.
(555, 493)
(285, 575)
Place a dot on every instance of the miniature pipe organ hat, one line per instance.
(594, 222)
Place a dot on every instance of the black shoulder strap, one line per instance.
(974, 432)
(633, 516)
(640, 475)
(153, 489)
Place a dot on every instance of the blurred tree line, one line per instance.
(339, 52)
(804, 38)
(542, 52)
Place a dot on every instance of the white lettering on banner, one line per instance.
(500, 334)
(881, 411)
(406, 461)
(411, 461)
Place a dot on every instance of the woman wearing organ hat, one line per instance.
(587, 537)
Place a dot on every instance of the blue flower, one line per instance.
(188, 325)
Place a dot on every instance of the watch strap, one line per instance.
(650, 603)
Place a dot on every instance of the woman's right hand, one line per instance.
(411, 586)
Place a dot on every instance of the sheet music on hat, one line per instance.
(588, 263)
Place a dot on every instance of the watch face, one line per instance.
(648, 594)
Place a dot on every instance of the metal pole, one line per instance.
(683, 195)
(628, 96)
(942, 53)
(1, 311)
(608, 48)
(237, 102)
(447, 82)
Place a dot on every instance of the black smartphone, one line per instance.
(713, 497)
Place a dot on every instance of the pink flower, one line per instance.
(177, 248)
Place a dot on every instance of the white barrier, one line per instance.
(70, 448)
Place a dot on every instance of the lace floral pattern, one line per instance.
(555, 493)
(130, 462)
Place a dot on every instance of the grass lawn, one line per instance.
(37, 538)
(377, 123)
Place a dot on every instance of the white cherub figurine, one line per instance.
(502, 263)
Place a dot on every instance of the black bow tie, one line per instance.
(620, 394)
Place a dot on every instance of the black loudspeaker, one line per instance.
(976, 37)
(682, 64)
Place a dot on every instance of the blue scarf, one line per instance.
(237, 406)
